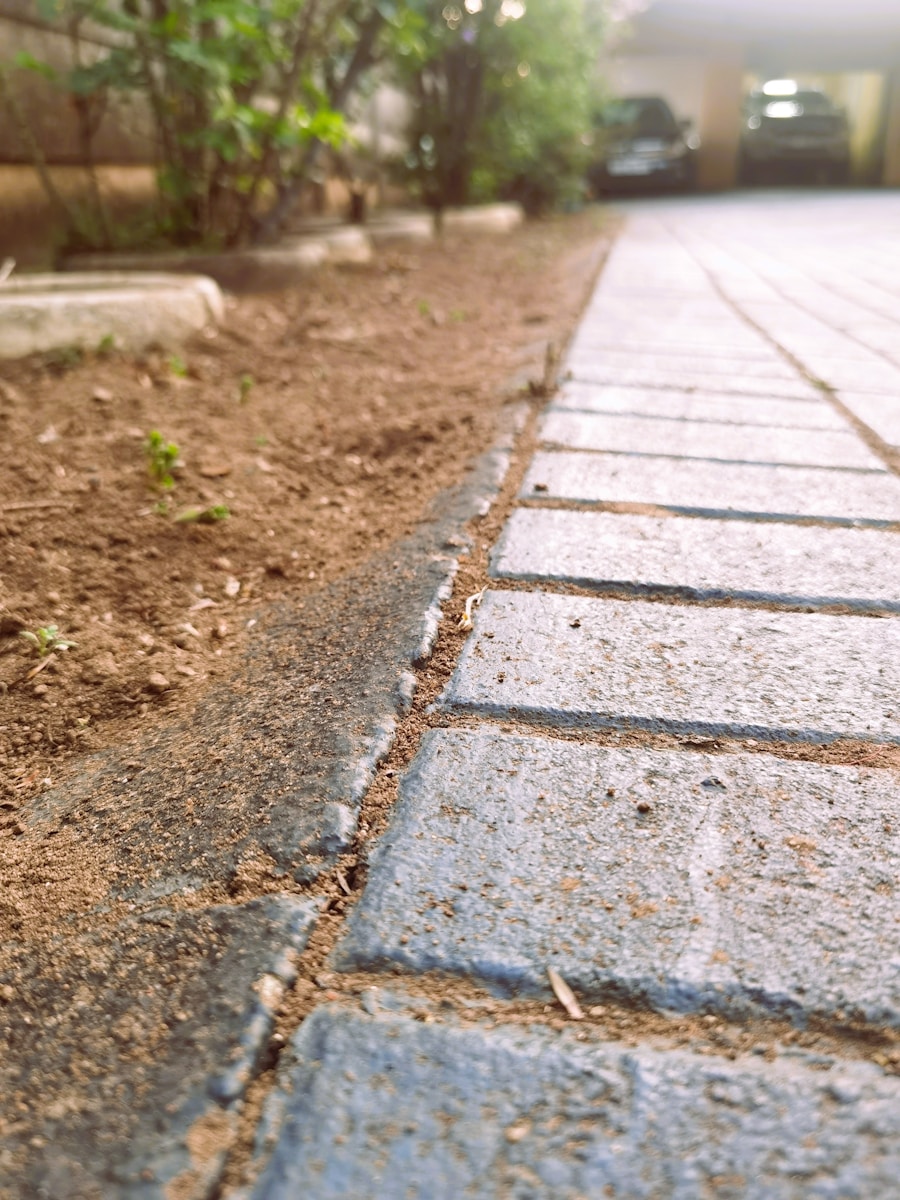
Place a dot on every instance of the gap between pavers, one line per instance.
(880, 413)
(387, 1106)
(631, 664)
(686, 881)
(714, 489)
(703, 559)
(719, 407)
(624, 434)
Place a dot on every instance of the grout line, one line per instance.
(726, 514)
(562, 447)
(684, 596)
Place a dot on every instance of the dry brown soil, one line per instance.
(323, 419)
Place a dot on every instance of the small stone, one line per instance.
(157, 683)
(211, 468)
(102, 395)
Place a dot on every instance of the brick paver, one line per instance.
(633, 836)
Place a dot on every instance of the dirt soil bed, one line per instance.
(181, 753)
(322, 420)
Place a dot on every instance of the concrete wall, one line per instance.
(124, 134)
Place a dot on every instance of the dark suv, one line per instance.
(640, 144)
(787, 127)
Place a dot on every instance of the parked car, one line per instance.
(787, 127)
(641, 144)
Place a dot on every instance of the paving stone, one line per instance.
(714, 489)
(144, 1109)
(699, 406)
(635, 665)
(686, 881)
(701, 363)
(703, 559)
(594, 371)
(880, 413)
(662, 333)
(386, 1106)
(725, 442)
(641, 338)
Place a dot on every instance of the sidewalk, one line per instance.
(668, 768)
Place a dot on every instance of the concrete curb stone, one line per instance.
(39, 313)
(191, 1052)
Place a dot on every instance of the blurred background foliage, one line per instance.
(246, 99)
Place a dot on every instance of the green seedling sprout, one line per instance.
(46, 640)
(203, 516)
(162, 459)
(107, 345)
(178, 366)
(245, 387)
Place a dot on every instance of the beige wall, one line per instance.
(124, 134)
(29, 229)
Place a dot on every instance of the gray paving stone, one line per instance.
(713, 489)
(699, 406)
(686, 881)
(880, 413)
(665, 334)
(700, 363)
(725, 442)
(703, 559)
(741, 384)
(637, 342)
(388, 1107)
(629, 664)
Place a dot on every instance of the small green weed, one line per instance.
(162, 459)
(46, 640)
(107, 345)
(424, 308)
(458, 315)
(245, 387)
(203, 516)
(63, 358)
(178, 367)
